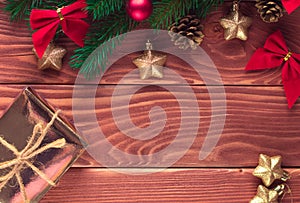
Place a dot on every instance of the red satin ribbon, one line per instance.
(290, 5)
(47, 22)
(274, 54)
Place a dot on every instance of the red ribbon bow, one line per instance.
(274, 54)
(47, 22)
(290, 5)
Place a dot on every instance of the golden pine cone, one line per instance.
(187, 32)
(270, 11)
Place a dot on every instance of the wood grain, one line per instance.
(173, 185)
(257, 117)
(230, 57)
(257, 121)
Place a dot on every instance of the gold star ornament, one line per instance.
(264, 195)
(235, 24)
(151, 63)
(52, 57)
(269, 169)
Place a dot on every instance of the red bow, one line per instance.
(47, 21)
(275, 53)
(290, 5)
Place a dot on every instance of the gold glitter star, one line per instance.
(264, 195)
(150, 63)
(235, 24)
(269, 169)
(52, 57)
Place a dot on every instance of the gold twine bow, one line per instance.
(30, 151)
(60, 15)
(287, 56)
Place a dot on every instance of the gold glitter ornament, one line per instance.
(265, 195)
(150, 64)
(235, 24)
(269, 169)
(52, 57)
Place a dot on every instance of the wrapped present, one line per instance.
(37, 146)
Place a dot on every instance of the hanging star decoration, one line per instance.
(265, 195)
(150, 64)
(52, 57)
(23, 157)
(269, 169)
(235, 24)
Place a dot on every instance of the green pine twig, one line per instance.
(109, 21)
(100, 8)
(20, 9)
(168, 11)
(100, 32)
(205, 6)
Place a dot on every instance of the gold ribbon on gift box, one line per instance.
(23, 157)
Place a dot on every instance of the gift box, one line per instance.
(37, 146)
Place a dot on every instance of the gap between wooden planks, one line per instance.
(257, 120)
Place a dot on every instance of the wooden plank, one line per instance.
(257, 121)
(230, 57)
(172, 185)
(18, 64)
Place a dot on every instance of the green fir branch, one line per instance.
(167, 11)
(205, 6)
(100, 32)
(20, 9)
(101, 8)
(111, 20)
(96, 62)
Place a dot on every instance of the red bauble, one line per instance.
(139, 10)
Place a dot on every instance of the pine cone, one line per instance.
(270, 11)
(187, 32)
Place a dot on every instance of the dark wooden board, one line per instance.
(257, 117)
(173, 185)
(257, 121)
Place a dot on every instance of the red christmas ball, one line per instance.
(139, 10)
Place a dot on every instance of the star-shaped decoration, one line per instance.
(150, 64)
(52, 57)
(269, 169)
(264, 195)
(235, 24)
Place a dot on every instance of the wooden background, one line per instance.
(257, 120)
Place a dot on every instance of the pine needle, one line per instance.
(100, 32)
(20, 9)
(110, 20)
(101, 8)
(168, 11)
